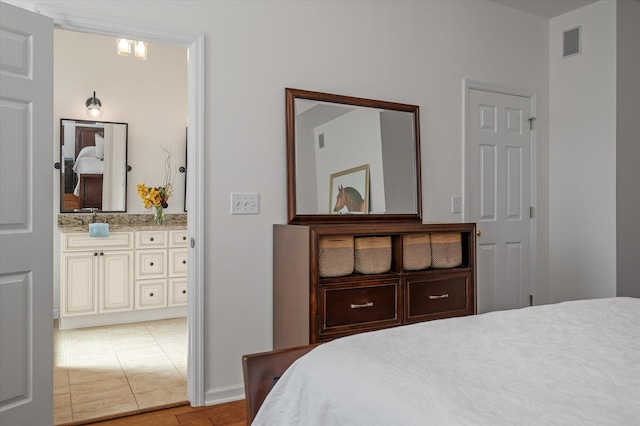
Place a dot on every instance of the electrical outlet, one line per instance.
(245, 203)
(456, 204)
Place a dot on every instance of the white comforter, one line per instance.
(573, 363)
(87, 163)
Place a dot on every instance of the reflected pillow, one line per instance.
(99, 147)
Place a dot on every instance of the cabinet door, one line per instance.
(116, 281)
(438, 296)
(78, 289)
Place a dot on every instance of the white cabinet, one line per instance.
(161, 268)
(129, 276)
(96, 280)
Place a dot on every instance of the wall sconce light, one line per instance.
(94, 107)
(140, 50)
(123, 47)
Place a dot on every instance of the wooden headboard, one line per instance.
(86, 136)
(262, 371)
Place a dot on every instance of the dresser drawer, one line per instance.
(151, 294)
(178, 238)
(82, 241)
(438, 296)
(177, 262)
(352, 306)
(151, 239)
(151, 264)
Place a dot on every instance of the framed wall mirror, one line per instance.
(351, 159)
(93, 169)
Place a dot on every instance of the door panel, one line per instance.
(26, 217)
(499, 166)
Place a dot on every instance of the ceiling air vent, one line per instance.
(571, 42)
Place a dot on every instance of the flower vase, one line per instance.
(158, 216)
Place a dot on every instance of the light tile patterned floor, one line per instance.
(100, 371)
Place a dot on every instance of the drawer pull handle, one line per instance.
(364, 305)
(441, 296)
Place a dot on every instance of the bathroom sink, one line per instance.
(98, 229)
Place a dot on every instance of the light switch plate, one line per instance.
(245, 203)
(456, 204)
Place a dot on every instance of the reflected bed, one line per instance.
(568, 363)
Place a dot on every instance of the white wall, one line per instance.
(582, 146)
(415, 52)
(628, 146)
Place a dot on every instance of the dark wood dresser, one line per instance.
(310, 308)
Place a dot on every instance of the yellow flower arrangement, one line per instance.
(158, 197)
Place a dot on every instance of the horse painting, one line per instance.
(349, 197)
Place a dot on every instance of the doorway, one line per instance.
(500, 193)
(194, 44)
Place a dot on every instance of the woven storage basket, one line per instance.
(416, 252)
(446, 249)
(335, 255)
(373, 255)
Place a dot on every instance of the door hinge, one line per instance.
(531, 120)
(531, 300)
(193, 243)
(530, 212)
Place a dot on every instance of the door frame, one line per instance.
(195, 43)
(467, 186)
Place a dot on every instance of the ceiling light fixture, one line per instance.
(94, 107)
(140, 50)
(123, 46)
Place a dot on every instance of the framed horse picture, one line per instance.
(349, 191)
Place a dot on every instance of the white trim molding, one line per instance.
(195, 44)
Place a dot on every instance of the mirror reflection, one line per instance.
(352, 156)
(94, 165)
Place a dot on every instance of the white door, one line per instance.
(498, 147)
(26, 217)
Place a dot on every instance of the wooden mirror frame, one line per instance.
(292, 215)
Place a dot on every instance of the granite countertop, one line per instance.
(120, 222)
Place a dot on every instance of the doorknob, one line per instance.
(479, 232)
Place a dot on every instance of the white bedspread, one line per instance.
(573, 363)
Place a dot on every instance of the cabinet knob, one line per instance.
(101, 254)
(150, 294)
(95, 254)
(151, 239)
(184, 238)
(184, 262)
(151, 263)
(479, 232)
(184, 291)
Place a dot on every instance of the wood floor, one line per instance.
(228, 414)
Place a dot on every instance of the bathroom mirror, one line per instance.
(351, 159)
(93, 166)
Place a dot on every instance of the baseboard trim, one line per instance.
(224, 394)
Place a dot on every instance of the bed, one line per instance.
(568, 363)
(89, 166)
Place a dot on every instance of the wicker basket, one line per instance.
(416, 252)
(446, 249)
(335, 255)
(373, 255)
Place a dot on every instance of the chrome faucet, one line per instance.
(94, 216)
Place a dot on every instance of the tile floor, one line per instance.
(106, 370)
